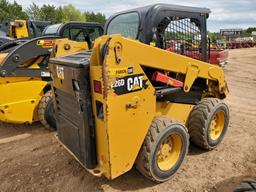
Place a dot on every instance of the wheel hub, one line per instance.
(217, 125)
(168, 152)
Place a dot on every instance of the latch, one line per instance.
(134, 103)
(118, 53)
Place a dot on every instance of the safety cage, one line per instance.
(180, 35)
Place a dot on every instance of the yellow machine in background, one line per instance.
(24, 77)
(25, 88)
(21, 30)
(18, 29)
(128, 103)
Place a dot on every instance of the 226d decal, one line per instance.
(129, 84)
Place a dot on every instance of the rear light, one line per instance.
(97, 87)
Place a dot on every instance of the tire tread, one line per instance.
(142, 161)
(41, 109)
(198, 122)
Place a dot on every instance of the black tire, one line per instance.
(199, 126)
(46, 112)
(247, 185)
(146, 162)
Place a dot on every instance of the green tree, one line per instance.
(45, 13)
(48, 13)
(94, 17)
(251, 29)
(34, 12)
(70, 13)
(11, 11)
(59, 15)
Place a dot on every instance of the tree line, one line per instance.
(47, 12)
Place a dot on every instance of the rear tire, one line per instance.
(45, 111)
(208, 123)
(164, 149)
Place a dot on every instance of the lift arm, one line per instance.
(22, 53)
(126, 50)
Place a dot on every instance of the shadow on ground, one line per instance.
(194, 150)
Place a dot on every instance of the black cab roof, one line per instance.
(164, 6)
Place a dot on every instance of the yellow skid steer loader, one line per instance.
(133, 102)
(24, 77)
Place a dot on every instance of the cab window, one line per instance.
(87, 33)
(126, 25)
(52, 29)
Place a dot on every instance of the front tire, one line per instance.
(208, 123)
(45, 111)
(164, 149)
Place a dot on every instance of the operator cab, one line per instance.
(178, 29)
(76, 31)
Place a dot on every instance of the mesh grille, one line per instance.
(182, 36)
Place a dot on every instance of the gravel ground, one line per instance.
(35, 161)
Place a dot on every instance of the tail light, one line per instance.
(97, 87)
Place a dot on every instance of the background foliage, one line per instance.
(11, 11)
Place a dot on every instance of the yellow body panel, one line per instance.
(127, 117)
(101, 130)
(18, 100)
(176, 111)
(117, 154)
(66, 47)
(131, 124)
(20, 31)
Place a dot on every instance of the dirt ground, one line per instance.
(37, 162)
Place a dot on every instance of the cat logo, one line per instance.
(129, 84)
(134, 83)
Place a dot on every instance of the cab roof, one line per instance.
(162, 6)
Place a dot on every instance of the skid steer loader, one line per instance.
(132, 102)
(24, 77)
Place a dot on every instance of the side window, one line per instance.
(66, 33)
(180, 35)
(125, 24)
(52, 29)
(94, 33)
(83, 33)
(77, 34)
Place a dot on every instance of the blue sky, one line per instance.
(225, 13)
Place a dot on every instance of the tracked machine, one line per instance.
(24, 76)
(136, 100)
